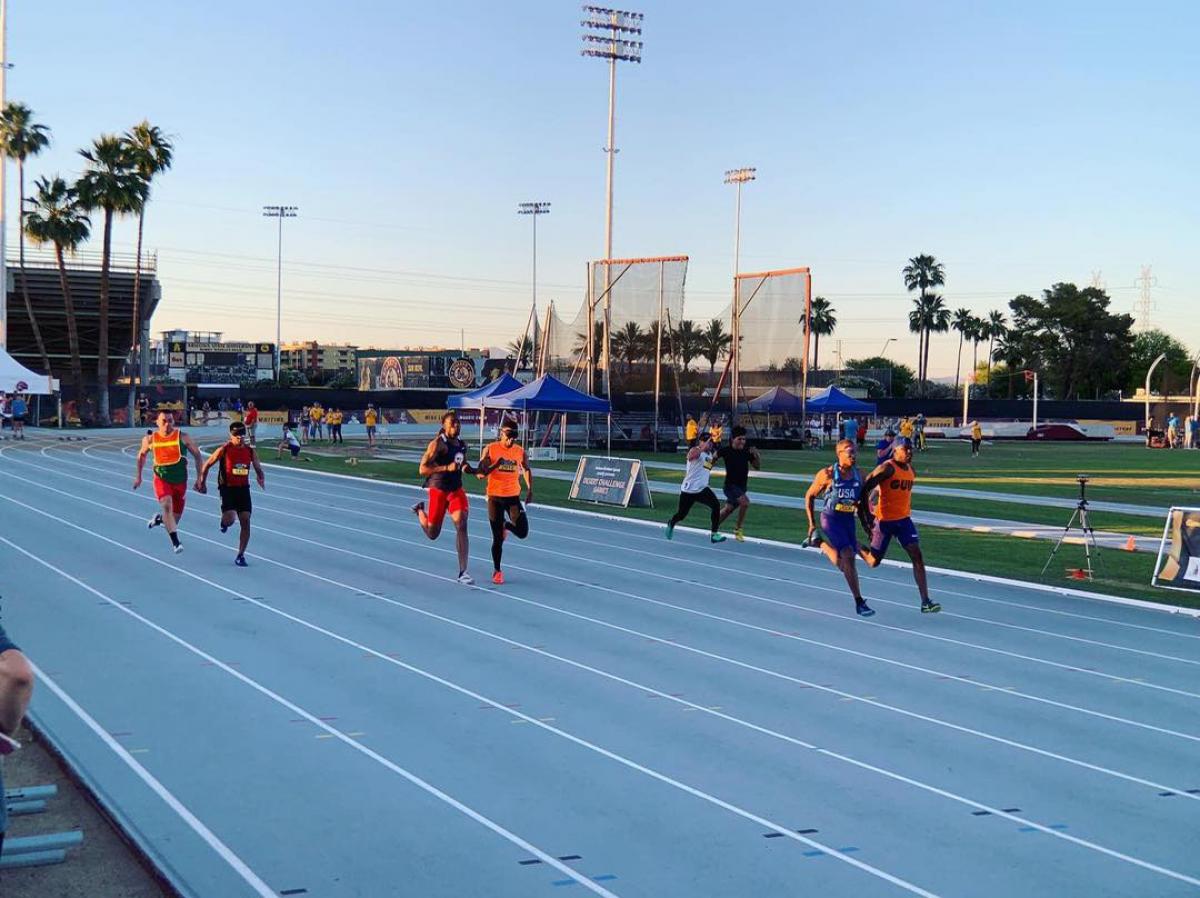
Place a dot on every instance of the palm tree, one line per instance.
(995, 328)
(580, 347)
(150, 154)
(521, 349)
(627, 344)
(792, 366)
(961, 322)
(921, 273)
(714, 343)
(977, 333)
(822, 324)
(20, 138)
(686, 342)
(916, 325)
(937, 321)
(109, 183)
(56, 216)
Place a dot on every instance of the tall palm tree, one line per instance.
(55, 216)
(627, 344)
(961, 322)
(976, 334)
(937, 321)
(150, 154)
(822, 324)
(110, 184)
(521, 350)
(580, 347)
(686, 342)
(916, 325)
(996, 327)
(921, 273)
(714, 343)
(20, 138)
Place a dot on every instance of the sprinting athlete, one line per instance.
(695, 487)
(738, 461)
(233, 483)
(503, 464)
(842, 486)
(895, 479)
(442, 465)
(167, 445)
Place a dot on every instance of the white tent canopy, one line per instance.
(16, 378)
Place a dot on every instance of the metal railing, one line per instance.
(44, 257)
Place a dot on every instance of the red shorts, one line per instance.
(177, 492)
(441, 501)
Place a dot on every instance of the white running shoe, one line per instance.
(465, 579)
(177, 549)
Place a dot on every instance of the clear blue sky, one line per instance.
(1022, 143)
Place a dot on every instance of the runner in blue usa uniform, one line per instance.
(842, 486)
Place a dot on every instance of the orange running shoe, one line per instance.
(498, 578)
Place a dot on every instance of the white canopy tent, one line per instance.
(16, 378)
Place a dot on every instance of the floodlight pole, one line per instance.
(738, 177)
(280, 212)
(533, 210)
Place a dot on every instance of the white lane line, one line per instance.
(417, 781)
(222, 850)
(869, 700)
(724, 569)
(570, 737)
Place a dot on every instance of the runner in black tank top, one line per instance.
(442, 465)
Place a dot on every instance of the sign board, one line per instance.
(462, 374)
(542, 453)
(611, 481)
(1178, 563)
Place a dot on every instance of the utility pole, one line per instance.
(533, 210)
(1145, 303)
(610, 34)
(738, 177)
(280, 212)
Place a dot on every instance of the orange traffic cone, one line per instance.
(1131, 545)
(1077, 573)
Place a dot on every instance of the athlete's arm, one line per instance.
(485, 464)
(258, 470)
(427, 468)
(819, 485)
(191, 446)
(527, 473)
(141, 461)
(755, 459)
(878, 476)
(693, 453)
(212, 460)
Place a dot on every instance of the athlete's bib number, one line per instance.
(843, 506)
(241, 470)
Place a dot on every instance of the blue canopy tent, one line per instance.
(549, 394)
(505, 383)
(776, 401)
(834, 401)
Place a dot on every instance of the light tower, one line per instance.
(280, 212)
(738, 177)
(1144, 304)
(533, 210)
(610, 34)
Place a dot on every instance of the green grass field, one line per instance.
(1122, 473)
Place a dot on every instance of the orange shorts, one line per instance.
(177, 492)
(441, 501)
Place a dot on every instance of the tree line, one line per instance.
(116, 180)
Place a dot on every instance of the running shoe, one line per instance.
(155, 521)
(670, 530)
(177, 548)
(240, 561)
(862, 609)
(498, 578)
(465, 579)
(7, 745)
(739, 536)
(813, 542)
(418, 508)
(717, 538)
(224, 528)
(928, 607)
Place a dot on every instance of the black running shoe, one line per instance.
(862, 609)
(928, 607)
(240, 561)
(224, 528)
(155, 521)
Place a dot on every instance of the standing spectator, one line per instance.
(827, 427)
(250, 419)
(690, 430)
(1172, 431)
(143, 405)
(860, 434)
(20, 415)
(207, 409)
(334, 419)
(976, 438)
(371, 419)
(850, 429)
(305, 423)
(222, 407)
(883, 449)
(16, 686)
(717, 431)
(919, 429)
(316, 416)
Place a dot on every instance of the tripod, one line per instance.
(1084, 526)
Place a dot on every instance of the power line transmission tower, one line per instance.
(1144, 304)
(1098, 280)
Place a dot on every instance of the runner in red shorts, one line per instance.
(167, 445)
(442, 465)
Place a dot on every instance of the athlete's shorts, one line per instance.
(235, 498)
(733, 493)
(499, 506)
(441, 501)
(839, 528)
(177, 492)
(904, 530)
(370, 430)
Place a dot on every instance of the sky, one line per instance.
(1021, 143)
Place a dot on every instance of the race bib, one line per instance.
(459, 458)
(241, 470)
(843, 506)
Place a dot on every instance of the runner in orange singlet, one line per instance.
(503, 464)
(895, 480)
(167, 445)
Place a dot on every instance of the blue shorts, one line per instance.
(840, 529)
(903, 530)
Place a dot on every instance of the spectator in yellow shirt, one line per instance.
(316, 418)
(371, 418)
(691, 430)
(906, 429)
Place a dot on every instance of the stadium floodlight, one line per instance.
(533, 210)
(738, 176)
(280, 212)
(610, 34)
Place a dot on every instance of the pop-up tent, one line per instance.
(549, 394)
(505, 383)
(833, 401)
(16, 378)
(777, 401)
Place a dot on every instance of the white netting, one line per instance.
(771, 323)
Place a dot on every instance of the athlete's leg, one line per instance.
(495, 510)
(431, 522)
(227, 519)
(518, 523)
(743, 506)
(727, 509)
(686, 501)
(461, 540)
(918, 563)
(244, 536)
(708, 498)
(845, 562)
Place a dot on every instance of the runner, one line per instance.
(233, 483)
(738, 461)
(894, 480)
(20, 412)
(503, 464)
(371, 418)
(442, 465)
(976, 438)
(695, 487)
(251, 420)
(170, 473)
(842, 485)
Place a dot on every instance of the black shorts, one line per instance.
(235, 498)
(499, 506)
(733, 493)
